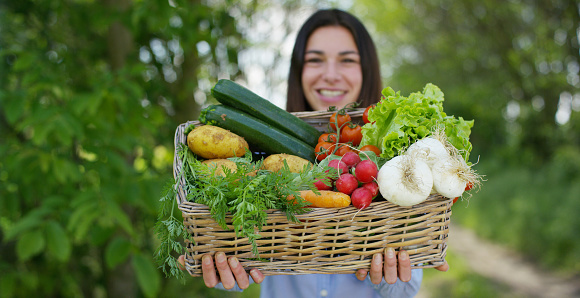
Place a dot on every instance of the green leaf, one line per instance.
(82, 208)
(64, 170)
(30, 244)
(83, 218)
(148, 277)
(14, 107)
(8, 285)
(117, 251)
(31, 220)
(24, 61)
(100, 234)
(117, 214)
(57, 241)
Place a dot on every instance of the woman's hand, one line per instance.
(392, 268)
(229, 271)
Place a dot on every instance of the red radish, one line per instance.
(346, 183)
(366, 171)
(323, 184)
(351, 159)
(468, 186)
(361, 198)
(338, 164)
(373, 186)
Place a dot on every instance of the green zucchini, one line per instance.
(234, 95)
(256, 132)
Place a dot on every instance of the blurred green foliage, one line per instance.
(513, 67)
(91, 94)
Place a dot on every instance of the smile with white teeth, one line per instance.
(331, 93)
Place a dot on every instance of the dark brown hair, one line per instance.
(371, 86)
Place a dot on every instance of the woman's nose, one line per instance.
(331, 72)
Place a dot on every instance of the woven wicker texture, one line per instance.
(327, 240)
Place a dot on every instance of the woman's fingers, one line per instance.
(404, 266)
(443, 267)
(181, 262)
(257, 275)
(226, 275)
(210, 277)
(230, 271)
(361, 274)
(376, 269)
(390, 266)
(239, 273)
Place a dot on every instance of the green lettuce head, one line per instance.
(398, 121)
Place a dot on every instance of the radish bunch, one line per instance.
(356, 178)
(430, 165)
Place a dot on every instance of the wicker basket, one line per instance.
(327, 240)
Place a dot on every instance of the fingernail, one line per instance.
(403, 255)
(233, 262)
(390, 252)
(377, 259)
(206, 260)
(254, 273)
(220, 257)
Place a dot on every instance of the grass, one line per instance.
(461, 282)
(533, 211)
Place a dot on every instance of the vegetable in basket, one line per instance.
(398, 121)
(430, 165)
(213, 142)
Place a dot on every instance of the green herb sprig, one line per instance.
(170, 231)
(245, 194)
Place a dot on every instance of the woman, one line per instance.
(305, 62)
(334, 63)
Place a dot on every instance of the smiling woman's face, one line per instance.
(332, 74)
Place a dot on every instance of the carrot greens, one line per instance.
(245, 195)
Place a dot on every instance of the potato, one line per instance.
(212, 142)
(275, 162)
(220, 163)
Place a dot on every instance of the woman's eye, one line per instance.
(313, 60)
(349, 60)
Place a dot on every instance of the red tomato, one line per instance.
(351, 133)
(372, 148)
(366, 114)
(322, 149)
(327, 137)
(343, 149)
(339, 119)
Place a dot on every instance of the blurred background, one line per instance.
(91, 93)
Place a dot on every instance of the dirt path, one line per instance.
(504, 266)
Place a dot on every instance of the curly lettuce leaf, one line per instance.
(398, 121)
